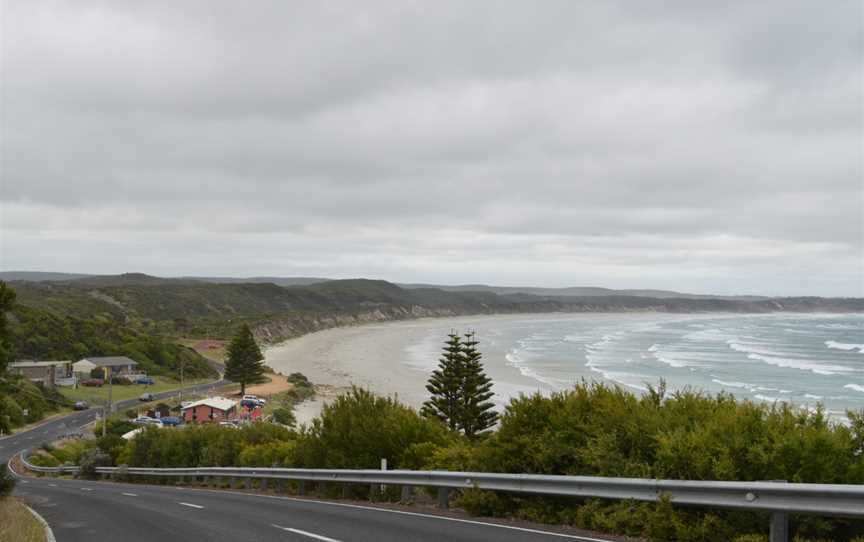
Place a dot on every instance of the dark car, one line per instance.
(171, 420)
(81, 405)
(146, 380)
(96, 382)
(249, 403)
(146, 397)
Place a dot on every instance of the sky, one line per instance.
(710, 147)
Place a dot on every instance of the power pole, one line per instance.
(108, 409)
(181, 383)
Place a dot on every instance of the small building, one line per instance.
(48, 373)
(210, 410)
(118, 365)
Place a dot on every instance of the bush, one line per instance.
(7, 481)
(91, 459)
(285, 416)
(359, 428)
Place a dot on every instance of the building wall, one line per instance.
(206, 414)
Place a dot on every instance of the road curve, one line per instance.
(87, 511)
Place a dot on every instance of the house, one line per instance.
(212, 409)
(48, 373)
(117, 365)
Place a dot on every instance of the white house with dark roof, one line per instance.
(118, 365)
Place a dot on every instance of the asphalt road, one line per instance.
(84, 511)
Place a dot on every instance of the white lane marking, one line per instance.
(130, 494)
(305, 533)
(53, 485)
(86, 489)
(190, 505)
(49, 534)
(24, 482)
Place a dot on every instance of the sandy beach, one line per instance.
(393, 359)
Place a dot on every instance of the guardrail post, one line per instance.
(280, 485)
(779, 527)
(301, 487)
(263, 484)
(407, 492)
(444, 498)
(346, 490)
(219, 482)
(248, 484)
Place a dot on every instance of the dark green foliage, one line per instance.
(285, 416)
(599, 430)
(358, 429)
(38, 334)
(244, 364)
(445, 384)
(90, 459)
(7, 481)
(460, 390)
(7, 301)
(301, 391)
(476, 412)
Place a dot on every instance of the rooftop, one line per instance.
(32, 363)
(220, 403)
(109, 361)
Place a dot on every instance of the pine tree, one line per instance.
(476, 412)
(445, 384)
(244, 364)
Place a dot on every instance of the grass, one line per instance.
(17, 524)
(121, 393)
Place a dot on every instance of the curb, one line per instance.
(49, 534)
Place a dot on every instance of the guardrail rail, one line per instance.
(778, 498)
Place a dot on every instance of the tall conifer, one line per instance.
(476, 411)
(245, 361)
(445, 384)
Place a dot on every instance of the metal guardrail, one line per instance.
(779, 498)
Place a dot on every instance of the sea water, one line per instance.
(802, 359)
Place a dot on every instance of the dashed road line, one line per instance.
(190, 505)
(86, 489)
(306, 533)
(130, 494)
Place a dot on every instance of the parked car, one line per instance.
(146, 380)
(81, 405)
(250, 403)
(233, 424)
(171, 420)
(146, 397)
(147, 420)
(255, 398)
(96, 382)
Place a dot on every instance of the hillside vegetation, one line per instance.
(195, 308)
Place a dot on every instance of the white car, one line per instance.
(255, 398)
(147, 420)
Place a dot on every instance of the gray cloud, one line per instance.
(698, 146)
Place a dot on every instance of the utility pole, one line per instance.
(181, 383)
(108, 409)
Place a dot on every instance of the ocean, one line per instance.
(803, 359)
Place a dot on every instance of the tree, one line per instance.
(7, 300)
(244, 364)
(476, 411)
(445, 384)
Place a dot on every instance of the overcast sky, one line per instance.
(697, 146)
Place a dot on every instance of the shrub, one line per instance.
(7, 481)
(91, 459)
(359, 428)
(285, 416)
